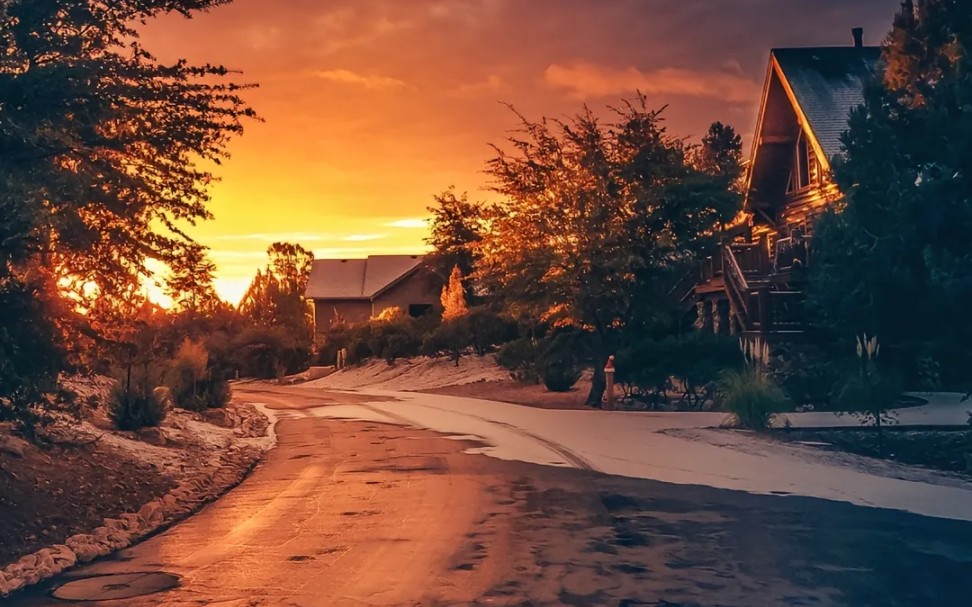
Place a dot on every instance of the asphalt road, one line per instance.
(361, 513)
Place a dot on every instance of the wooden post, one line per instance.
(609, 383)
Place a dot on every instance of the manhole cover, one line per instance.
(116, 586)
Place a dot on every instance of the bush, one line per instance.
(870, 396)
(451, 337)
(699, 360)
(359, 351)
(696, 361)
(393, 338)
(132, 410)
(806, 374)
(488, 329)
(560, 377)
(522, 357)
(186, 371)
(214, 391)
(752, 398)
(269, 353)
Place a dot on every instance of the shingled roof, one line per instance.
(358, 278)
(828, 82)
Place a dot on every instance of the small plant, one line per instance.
(868, 394)
(751, 396)
(133, 410)
(752, 399)
(186, 373)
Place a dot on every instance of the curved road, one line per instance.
(365, 513)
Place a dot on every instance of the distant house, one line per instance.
(755, 284)
(354, 290)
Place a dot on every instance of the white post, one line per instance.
(609, 383)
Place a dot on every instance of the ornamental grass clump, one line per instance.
(869, 394)
(750, 396)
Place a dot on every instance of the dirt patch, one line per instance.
(53, 493)
(947, 450)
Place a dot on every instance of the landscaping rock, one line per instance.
(63, 556)
(116, 533)
(151, 515)
(85, 547)
(152, 436)
(220, 417)
(11, 445)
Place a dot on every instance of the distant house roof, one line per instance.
(358, 278)
(828, 82)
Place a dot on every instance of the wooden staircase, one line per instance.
(760, 300)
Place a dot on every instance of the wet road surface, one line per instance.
(360, 513)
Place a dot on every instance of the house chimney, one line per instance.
(858, 37)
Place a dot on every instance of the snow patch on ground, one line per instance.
(414, 374)
(676, 448)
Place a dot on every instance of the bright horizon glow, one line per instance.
(372, 107)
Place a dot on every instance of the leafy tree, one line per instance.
(290, 264)
(275, 298)
(257, 302)
(720, 153)
(104, 149)
(104, 144)
(457, 227)
(905, 224)
(455, 333)
(191, 284)
(30, 350)
(599, 221)
(454, 297)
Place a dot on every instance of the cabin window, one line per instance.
(419, 310)
(805, 169)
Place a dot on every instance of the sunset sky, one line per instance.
(373, 106)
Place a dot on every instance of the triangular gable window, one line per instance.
(805, 168)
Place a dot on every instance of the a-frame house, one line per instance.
(754, 286)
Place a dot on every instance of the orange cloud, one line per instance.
(368, 82)
(586, 80)
(492, 83)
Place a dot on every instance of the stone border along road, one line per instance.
(189, 496)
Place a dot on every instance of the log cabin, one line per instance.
(755, 284)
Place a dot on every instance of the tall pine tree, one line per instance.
(894, 259)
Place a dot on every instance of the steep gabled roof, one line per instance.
(828, 82)
(806, 89)
(358, 278)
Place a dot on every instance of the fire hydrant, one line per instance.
(609, 383)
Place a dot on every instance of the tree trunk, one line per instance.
(599, 381)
